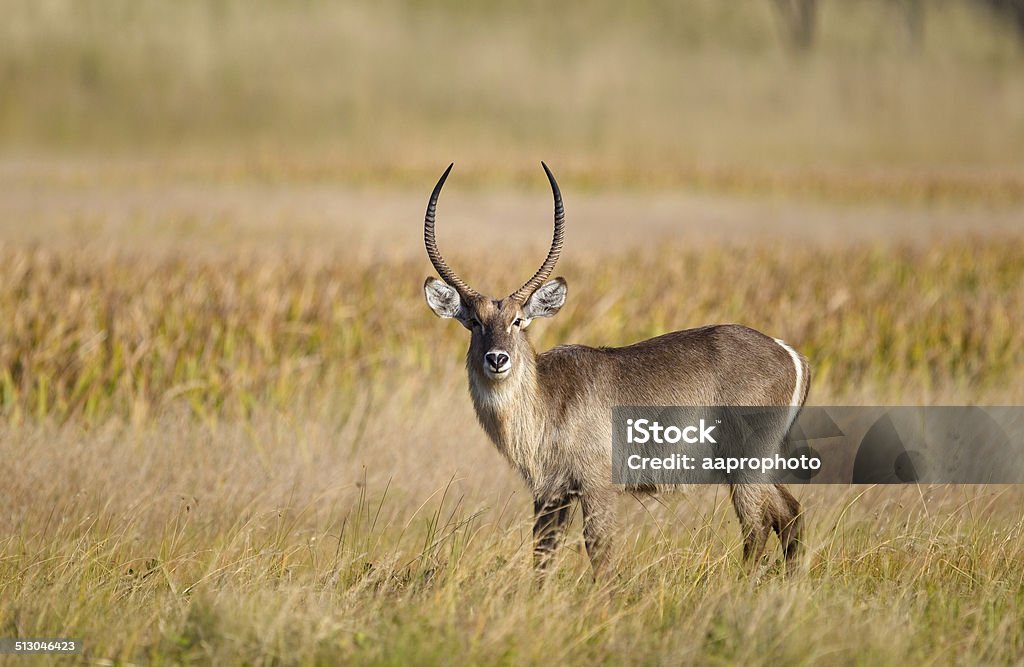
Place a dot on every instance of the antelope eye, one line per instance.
(517, 322)
(476, 323)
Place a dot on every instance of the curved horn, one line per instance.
(545, 269)
(430, 242)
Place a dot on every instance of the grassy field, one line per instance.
(699, 92)
(234, 433)
(272, 457)
(93, 336)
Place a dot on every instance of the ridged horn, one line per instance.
(544, 272)
(430, 241)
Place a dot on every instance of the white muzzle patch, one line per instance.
(497, 364)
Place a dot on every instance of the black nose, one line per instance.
(496, 360)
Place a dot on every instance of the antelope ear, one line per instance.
(547, 299)
(445, 301)
(442, 298)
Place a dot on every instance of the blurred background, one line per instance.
(635, 93)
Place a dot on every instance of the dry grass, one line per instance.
(271, 457)
(270, 543)
(233, 432)
(701, 92)
(93, 334)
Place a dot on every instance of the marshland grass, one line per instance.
(92, 335)
(700, 93)
(232, 432)
(272, 458)
(273, 544)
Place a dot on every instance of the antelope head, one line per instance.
(498, 346)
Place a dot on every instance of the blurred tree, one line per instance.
(1013, 10)
(913, 15)
(797, 20)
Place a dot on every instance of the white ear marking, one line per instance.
(546, 300)
(443, 299)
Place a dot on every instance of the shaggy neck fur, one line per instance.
(511, 413)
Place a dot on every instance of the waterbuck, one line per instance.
(549, 414)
